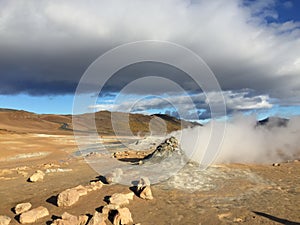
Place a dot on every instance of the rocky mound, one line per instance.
(168, 149)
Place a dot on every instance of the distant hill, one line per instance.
(19, 121)
(271, 122)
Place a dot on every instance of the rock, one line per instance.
(23, 173)
(97, 219)
(238, 220)
(82, 219)
(144, 181)
(121, 199)
(107, 208)
(94, 185)
(123, 217)
(4, 220)
(68, 219)
(22, 207)
(33, 215)
(143, 189)
(146, 193)
(81, 190)
(68, 197)
(37, 176)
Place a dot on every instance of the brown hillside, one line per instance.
(18, 121)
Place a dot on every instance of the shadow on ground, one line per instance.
(276, 219)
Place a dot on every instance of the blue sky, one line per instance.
(253, 51)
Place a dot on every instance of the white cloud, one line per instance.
(235, 101)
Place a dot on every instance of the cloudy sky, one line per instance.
(252, 47)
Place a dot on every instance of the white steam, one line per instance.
(244, 142)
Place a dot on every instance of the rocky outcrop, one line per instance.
(22, 207)
(33, 215)
(37, 176)
(4, 220)
(164, 150)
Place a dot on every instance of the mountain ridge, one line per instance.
(20, 121)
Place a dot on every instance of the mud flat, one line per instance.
(222, 194)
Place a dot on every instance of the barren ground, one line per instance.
(242, 194)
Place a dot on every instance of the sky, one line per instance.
(252, 47)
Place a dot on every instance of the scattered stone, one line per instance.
(123, 217)
(23, 173)
(81, 190)
(238, 220)
(107, 208)
(143, 189)
(4, 220)
(33, 215)
(82, 219)
(94, 185)
(121, 199)
(68, 219)
(224, 215)
(37, 176)
(146, 193)
(58, 170)
(50, 165)
(97, 219)
(68, 197)
(22, 207)
(276, 164)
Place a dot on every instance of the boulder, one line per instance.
(37, 176)
(94, 185)
(143, 189)
(68, 219)
(33, 215)
(22, 207)
(81, 190)
(82, 219)
(123, 217)
(121, 199)
(68, 197)
(4, 220)
(146, 193)
(107, 208)
(97, 219)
